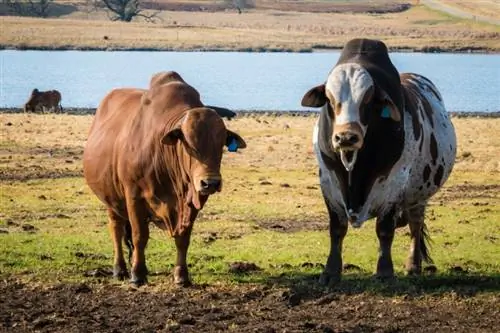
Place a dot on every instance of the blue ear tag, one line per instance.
(386, 113)
(233, 145)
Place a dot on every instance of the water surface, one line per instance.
(248, 81)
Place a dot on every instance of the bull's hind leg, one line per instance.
(117, 230)
(418, 247)
(385, 232)
(138, 217)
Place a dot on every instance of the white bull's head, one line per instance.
(351, 99)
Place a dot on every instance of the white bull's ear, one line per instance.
(390, 110)
(315, 97)
(171, 137)
(234, 141)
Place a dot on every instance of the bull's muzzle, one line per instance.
(347, 142)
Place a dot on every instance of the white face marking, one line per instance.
(348, 84)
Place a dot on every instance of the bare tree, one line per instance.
(39, 8)
(241, 4)
(125, 10)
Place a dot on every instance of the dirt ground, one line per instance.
(275, 307)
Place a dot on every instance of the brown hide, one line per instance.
(43, 99)
(155, 155)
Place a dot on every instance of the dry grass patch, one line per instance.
(418, 28)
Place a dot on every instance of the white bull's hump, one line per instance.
(348, 84)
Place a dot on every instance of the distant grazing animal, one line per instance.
(385, 145)
(44, 101)
(154, 156)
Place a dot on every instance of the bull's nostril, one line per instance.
(352, 139)
(210, 184)
(337, 138)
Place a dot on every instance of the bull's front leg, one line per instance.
(117, 230)
(333, 269)
(181, 273)
(182, 240)
(385, 232)
(138, 217)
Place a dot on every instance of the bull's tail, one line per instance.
(128, 241)
(425, 241)
(61, 110)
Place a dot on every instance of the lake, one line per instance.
(241, 81)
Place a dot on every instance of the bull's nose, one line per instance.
(210, 184)
(346, 139)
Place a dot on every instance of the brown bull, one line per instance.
(44, 100)
(155, 155)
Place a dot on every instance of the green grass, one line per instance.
(55, 230)
(71, 237)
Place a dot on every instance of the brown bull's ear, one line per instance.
(315, 97)
(234, 141)
(171, 137)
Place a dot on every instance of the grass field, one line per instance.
(418, 28)
(55, 246)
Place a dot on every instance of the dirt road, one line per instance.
(438, 5)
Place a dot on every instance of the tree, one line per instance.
(124, 10)
(39, 8)
(241, 4)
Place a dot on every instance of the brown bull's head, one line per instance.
(352, 100)
(32, 102)
(203, 136)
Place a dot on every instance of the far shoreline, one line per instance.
(401, 49)
(252, 113)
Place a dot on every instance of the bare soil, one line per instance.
(276, 307)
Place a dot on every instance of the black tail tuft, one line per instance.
(128, 241)
(425, 241)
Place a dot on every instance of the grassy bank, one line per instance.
(270, 210)
(418, 28)
(56, 252)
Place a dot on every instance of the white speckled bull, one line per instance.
(385, 145)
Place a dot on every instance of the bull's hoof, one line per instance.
(138, 282)
(329, 280)
(139, 277)
(385, 276)
(181, 276)
(120, 273)
(413, 270)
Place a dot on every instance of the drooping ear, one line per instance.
(315, 97)
(234, 141)
(172, 136)
(390, 110)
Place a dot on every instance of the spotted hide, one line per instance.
(385, 145)
(154, 156)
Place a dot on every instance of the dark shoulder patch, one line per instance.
(410, 107)
(438, 176)
(427, 173)
(434, 150)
